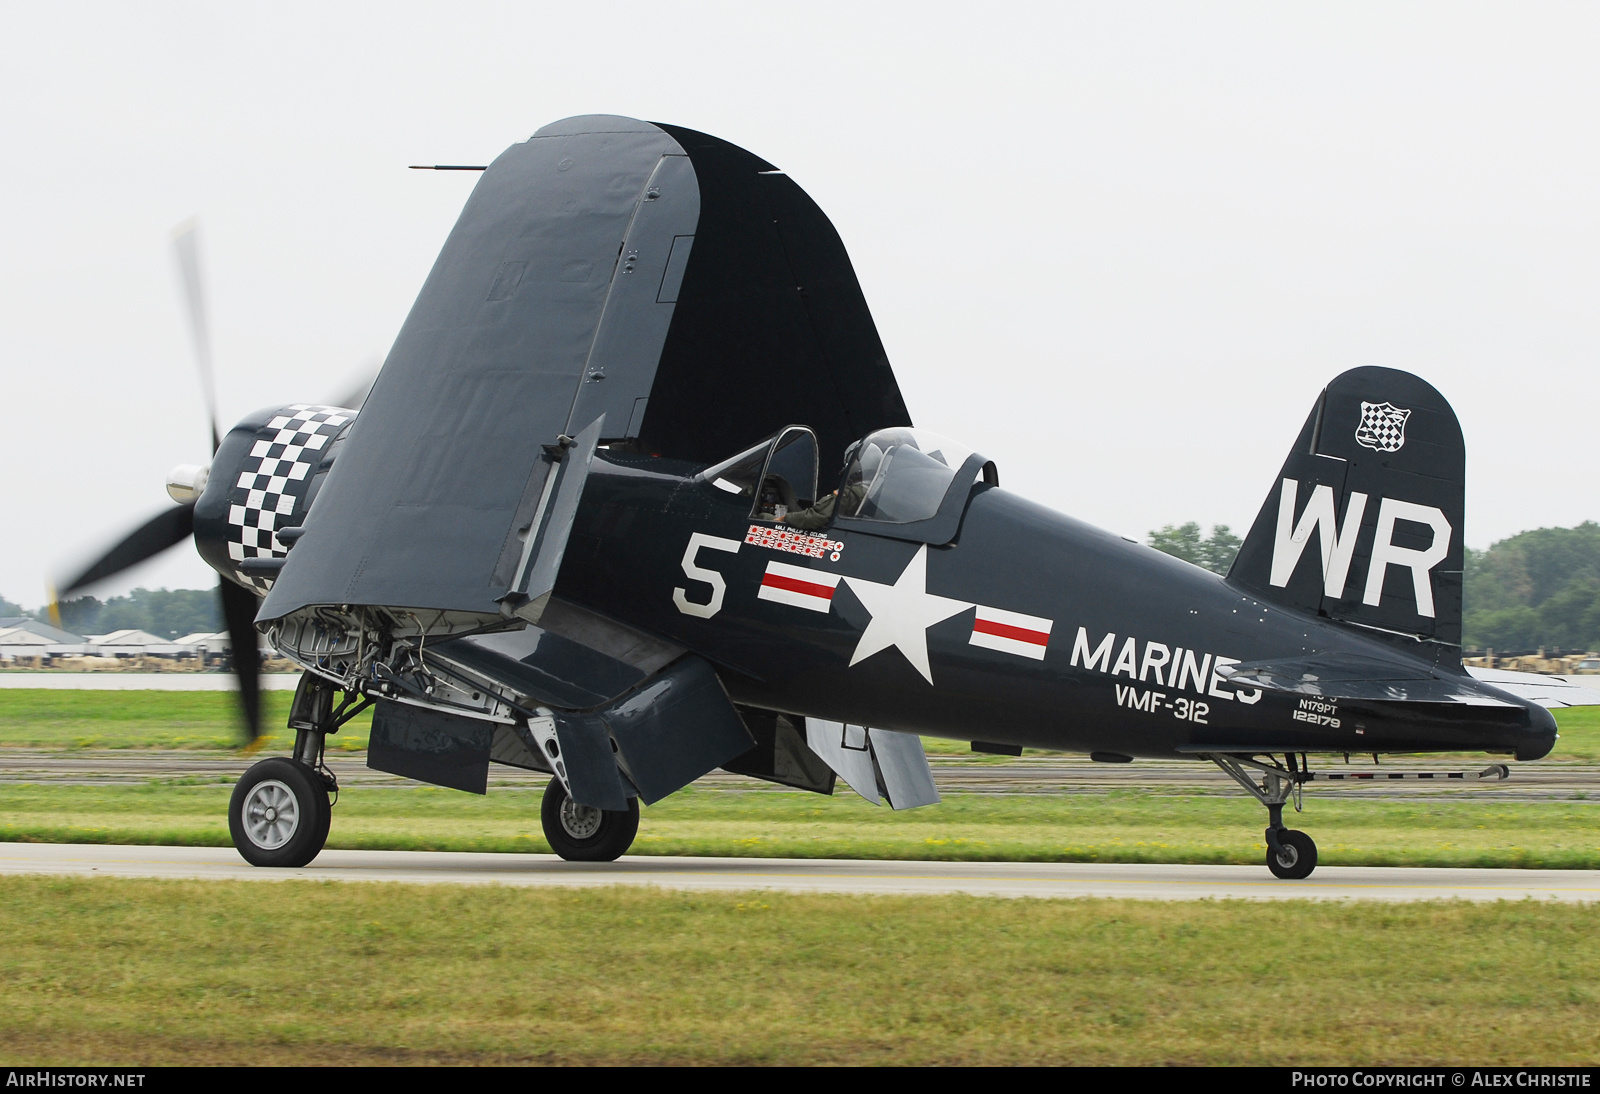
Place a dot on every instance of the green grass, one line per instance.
(40, 718)
(1086, 827)
(1580, 735)
(131, 973)
(44, 718)
(1118, 826)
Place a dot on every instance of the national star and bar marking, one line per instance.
(1011, 632)
(903, 612)
(798, 586)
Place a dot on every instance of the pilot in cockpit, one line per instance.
(845, 500)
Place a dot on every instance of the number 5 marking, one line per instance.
(698, 540)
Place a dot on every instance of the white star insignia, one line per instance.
(902, 613)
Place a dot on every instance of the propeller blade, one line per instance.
(239, 607)
(186, 245)
(167, 528)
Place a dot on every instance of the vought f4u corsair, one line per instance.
(635, 496)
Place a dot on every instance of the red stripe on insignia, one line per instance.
(794, 585)
(1003, 630)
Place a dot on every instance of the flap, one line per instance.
(877, 763)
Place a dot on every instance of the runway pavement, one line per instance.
(1006, 879)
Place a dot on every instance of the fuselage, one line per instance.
(1029, 628)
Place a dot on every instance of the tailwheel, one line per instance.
(582, 833)
(1294, 857)
(1291, 855)
(279, 813)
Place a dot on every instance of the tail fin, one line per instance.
(1363, 524)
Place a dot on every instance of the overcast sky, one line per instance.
(1117, 247)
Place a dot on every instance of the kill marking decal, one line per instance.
(795, 543)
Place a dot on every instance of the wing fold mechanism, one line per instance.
(545, 538)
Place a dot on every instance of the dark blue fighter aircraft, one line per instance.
(636, 496)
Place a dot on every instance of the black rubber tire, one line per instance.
(609, 840)
(269, 843)
(1299, 856)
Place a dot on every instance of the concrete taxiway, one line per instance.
(1007, 879)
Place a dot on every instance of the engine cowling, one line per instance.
(263, 481)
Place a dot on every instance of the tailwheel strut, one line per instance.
(1291, 854)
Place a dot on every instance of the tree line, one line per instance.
(165, 613)
(1538, 588)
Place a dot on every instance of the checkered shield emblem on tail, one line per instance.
(1383, 427)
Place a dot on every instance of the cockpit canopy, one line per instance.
(900, 475)
(901, 482)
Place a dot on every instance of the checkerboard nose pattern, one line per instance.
(275, 478)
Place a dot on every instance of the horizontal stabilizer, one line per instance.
(1547, 691)
(1346, 676)
(877, 763)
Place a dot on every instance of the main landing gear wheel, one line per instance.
(1295, 857)
(279, 814)
(582, 833)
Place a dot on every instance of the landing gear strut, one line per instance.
(281, 808)
(1291, 854)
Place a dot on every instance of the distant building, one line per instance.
(131, 643)
(207, 647)
(27, 639)
(45, 630)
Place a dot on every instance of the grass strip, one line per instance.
(42, 718)
(45, 718)
(1114, 826)
(133, 972)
